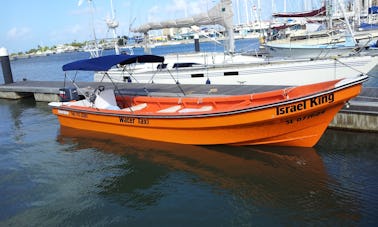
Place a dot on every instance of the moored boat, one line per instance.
(239, 70)
(287, 116)
(291, 50)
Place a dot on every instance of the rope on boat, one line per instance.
(362, 73)
(176, 82)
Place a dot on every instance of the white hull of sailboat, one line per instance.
(273, 73)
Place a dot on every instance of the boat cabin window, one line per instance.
(127, 79)
(184, 65)
(198, 75)
(231, 73)
(162, 66)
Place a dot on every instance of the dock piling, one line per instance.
(5, 66)
(196, 43)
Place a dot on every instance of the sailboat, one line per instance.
(293, 50)
(240, 70)
(313, 48)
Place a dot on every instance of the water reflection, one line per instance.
(351, 159)
(293, 180)
(335, 140)
(16, 108)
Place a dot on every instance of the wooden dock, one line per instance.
(361, 113)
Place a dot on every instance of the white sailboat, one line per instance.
(240, 70)
(314, 51)
(341, 45)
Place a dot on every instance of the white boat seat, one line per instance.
(202, 109)
(171, 109)
(136, 107)
(106, 100)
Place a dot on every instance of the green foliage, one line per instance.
(76, 44)
(31, 51)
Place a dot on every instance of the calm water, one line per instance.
(53, 176)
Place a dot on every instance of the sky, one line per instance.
(27, 24)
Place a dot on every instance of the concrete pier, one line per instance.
(41, 90)
(196, 43)
(355, 121)
(362, 113)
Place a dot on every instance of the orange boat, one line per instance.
(292, 116)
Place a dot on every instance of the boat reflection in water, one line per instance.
(257, 178)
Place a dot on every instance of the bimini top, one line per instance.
(104, 63)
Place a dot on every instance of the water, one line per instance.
(52, 176)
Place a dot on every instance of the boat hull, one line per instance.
(294, 52)
(298, 122)
(269, 73)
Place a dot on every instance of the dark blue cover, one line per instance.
(366, 26)
(373, 10)
(104, 63)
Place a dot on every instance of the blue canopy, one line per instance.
(373, 10)
(104, 63)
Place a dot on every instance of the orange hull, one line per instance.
(290, 117)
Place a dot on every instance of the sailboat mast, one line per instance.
(350, 31)
(238, 11)
(116, 47)
(246, 11)
(273, 6)
(95, 52)
(329, 14)
(370, 4)
(357, 13)
(259, 16)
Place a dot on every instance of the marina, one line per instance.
(90, 152)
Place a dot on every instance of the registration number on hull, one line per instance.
(133, 120)
(305, 117)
